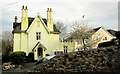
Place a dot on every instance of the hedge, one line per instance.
(17, 57)
(107, 44)
(30, 57)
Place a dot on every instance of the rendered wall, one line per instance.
(17, 43)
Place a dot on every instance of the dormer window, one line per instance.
(38, 22)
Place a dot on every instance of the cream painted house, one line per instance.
(38, 35)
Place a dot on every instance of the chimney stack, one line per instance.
(15, 19)
(24, 21)
(49, 19)
(23, 11)
(25, 7)
(48, 9)
(26, 12)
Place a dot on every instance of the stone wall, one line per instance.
(105, 59)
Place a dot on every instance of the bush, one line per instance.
(17, 57)
(30, 57)
(5, 58)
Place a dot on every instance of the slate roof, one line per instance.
(39, 44)
(17, 26)
(96, 29)
(113, 32)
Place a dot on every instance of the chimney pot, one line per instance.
(48, 9)
(23, 7)
(26, 7)
(15, 19)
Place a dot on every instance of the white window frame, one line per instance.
(65, 49)
(56, 51)
(38, 35)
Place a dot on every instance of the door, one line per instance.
(40, 52)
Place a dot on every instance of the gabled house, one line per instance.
(101, 35)
(37, 35)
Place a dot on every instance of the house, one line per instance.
(100, 35)
(38, 35)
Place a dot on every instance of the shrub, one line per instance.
(30, 57)
(5, 58)
(17, 57)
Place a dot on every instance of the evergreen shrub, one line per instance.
(17, 57)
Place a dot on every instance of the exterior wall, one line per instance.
(24, 42)
(17, 44)
(32, 36)
(69, 44)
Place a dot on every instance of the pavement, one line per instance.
(28, 67)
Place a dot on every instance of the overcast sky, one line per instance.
(104, 13)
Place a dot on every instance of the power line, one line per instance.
(106, 12)
(10, 4)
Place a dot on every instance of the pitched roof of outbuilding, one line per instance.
(96, 29)
(17, 26)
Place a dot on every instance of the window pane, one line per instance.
(105, 38)
(38, 35)
(64, 50)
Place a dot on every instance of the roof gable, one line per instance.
(41, 21)
(104, 31)
(39, 44)
(17, 26)
(113, 32)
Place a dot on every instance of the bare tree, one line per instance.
(7, 42)
(62, 28)
(81, 33)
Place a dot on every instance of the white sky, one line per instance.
(97, 12)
